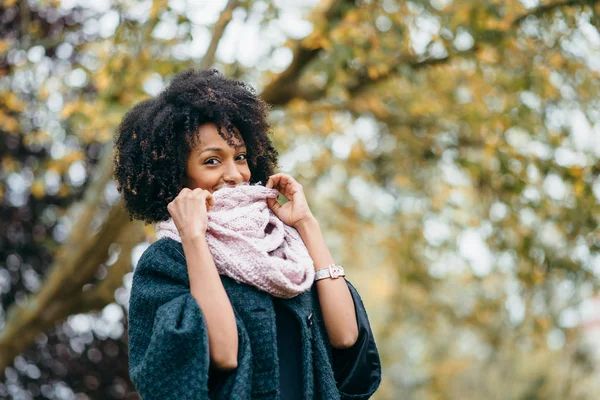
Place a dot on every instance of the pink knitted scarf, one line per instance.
(250, 244)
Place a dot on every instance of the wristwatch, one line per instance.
(331, 271)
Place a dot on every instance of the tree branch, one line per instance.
(219, 29)
(543, 9)
(74, 266)
(365, 80)
(48, 307)
(285, 86)
(21, 333)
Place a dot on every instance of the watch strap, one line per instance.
(331, 271)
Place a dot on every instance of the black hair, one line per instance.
(155, 137)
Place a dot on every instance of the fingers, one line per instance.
(278, 181)
(199, 194)
(205, 195)
(189, 211)
(275, 180)
(182, 192)
(210, 201)
(273, 205)
(284, 183)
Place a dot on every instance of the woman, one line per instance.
(240, 297)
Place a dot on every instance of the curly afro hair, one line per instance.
(155, 137)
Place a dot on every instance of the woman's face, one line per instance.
(213, 163)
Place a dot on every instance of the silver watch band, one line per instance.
(331, 271)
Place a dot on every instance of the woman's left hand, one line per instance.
(296, 210)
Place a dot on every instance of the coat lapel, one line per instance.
(256, 310)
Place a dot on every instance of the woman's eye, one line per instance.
(208, 162)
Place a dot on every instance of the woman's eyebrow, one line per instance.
(219, 149)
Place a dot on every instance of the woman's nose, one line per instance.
(232, 175)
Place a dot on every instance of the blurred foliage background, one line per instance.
(449, 149)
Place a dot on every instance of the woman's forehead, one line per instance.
(208, 135)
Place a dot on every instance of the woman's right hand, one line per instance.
(189, 212)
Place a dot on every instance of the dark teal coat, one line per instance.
(168, 342)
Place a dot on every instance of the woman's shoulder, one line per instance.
(165, 259)
(161, 256)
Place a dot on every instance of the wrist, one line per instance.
(307, 224)
(193, 240)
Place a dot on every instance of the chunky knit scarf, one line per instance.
(250, 244)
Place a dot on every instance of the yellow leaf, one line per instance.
(144, 55)
(73, 156)
(579, 188)
(325, 44)
(38, 189)
(157, 5)
(357, 153)
(352, 16)
(449, 368)
(3, 46)
(402, 181)
(557, 60)
(8, 164)
(313, 41)
(488, 55)
(373, 73)
(10, 124)
(64, 190)
(69, 109)
(43, 92)
(576, 171)
(13, 102)
(102, 81)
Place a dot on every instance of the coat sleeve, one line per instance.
(168, 341)
(357, 369)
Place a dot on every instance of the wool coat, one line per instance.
(168, 341)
